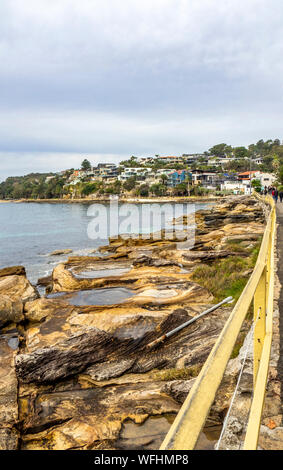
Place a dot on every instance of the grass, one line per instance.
(223, 278)
(228, 276)
(177, 374)
(235, 246)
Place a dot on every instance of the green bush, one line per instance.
(90, 188)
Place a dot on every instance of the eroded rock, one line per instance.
(10, 311)
(13, 271)
(17, 287)
(8, 396)
(61, 252)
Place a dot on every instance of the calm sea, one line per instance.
(29, 232)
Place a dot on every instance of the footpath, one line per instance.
(271, 435)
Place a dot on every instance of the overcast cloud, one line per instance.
(107, 79)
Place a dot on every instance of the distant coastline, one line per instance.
(175, 199)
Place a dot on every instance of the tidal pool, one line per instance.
(150, 434)
(97, 273)
(107, 296)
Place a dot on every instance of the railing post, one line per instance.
(253, 428)
(259, 320)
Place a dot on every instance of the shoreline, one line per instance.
(184, 199)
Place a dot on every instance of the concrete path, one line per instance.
(271, 435)
(280, 299)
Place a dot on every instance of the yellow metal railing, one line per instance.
(188, 424)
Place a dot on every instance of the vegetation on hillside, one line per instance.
(268, 154)
(33, 186)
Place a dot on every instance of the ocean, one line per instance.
(29, 232)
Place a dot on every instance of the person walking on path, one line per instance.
(275, 195)
(281, 195)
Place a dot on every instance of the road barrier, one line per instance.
(189, 422)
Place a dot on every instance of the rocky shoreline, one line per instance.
(88, 200)
(76, 372)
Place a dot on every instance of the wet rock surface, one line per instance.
(61, 252)
(83, 376)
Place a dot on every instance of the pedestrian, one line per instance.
(281, 195)
(275, 195)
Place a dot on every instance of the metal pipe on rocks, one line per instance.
(156, 342)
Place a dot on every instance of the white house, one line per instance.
(266, 179)
(236, 186)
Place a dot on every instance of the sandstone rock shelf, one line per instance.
(79, 376)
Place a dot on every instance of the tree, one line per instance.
(181, 189)
(117, 187)
(143, 190)
(276, 165)
(239, 165)
(131, 163)
(86, 165)
(130, 183)
(164, 178)
(90, 188)
(256, 184)
(267, 163)
(109, 189)
(240, 152)
(220, 150)
(158, 189)
(262, 148)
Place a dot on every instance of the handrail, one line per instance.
(188, 424)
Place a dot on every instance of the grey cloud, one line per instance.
(132, 77)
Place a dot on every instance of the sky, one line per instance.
(107, 79)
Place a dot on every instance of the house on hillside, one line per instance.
(105, 171)
(192, 158)
(140, 173)
(206, 178)
(177, 177)
(216, 161)
(145, 160)
(266, 179)
(172, 160)
(236, 186)
(248, 175)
